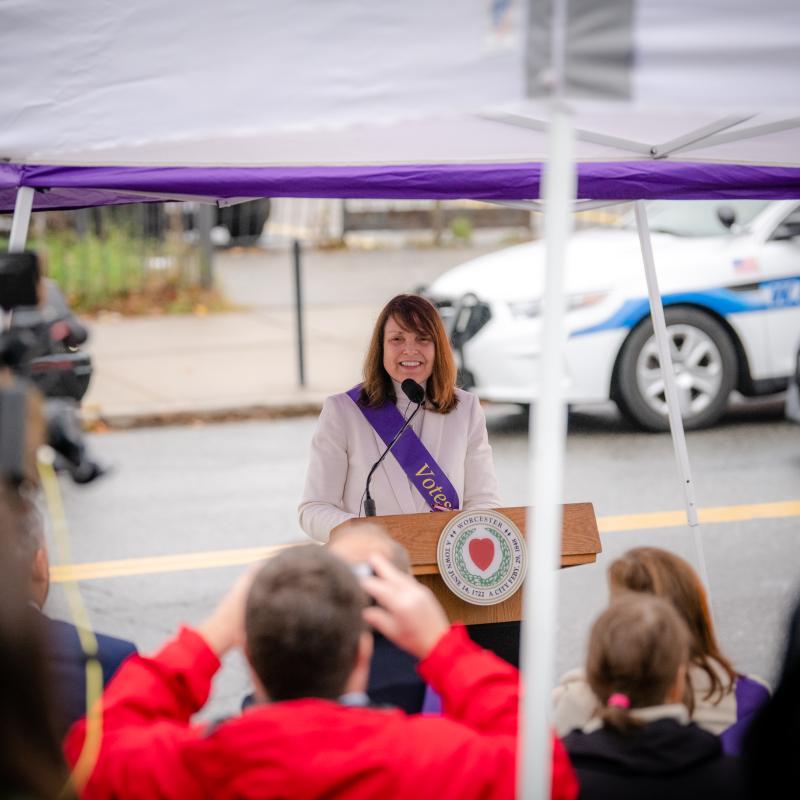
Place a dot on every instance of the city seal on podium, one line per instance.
(481, 557)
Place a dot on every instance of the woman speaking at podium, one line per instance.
(442, 459)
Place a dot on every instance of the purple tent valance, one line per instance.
(75, 187)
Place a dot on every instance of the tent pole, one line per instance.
(738, 133)
(667, 372)
(21, 220)
(699, 136)
(617, 142)
(546, 457)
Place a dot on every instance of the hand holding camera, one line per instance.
(406, 612)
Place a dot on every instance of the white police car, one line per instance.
(729, 273)
(793, 395)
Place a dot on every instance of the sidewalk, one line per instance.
(178, 369)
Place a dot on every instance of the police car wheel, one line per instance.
(704, 362)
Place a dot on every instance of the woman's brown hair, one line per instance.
(659, 572)
(636, 648)
(416, 314)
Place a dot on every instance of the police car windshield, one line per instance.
(697, 217)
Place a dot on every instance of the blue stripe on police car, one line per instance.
(767, 295)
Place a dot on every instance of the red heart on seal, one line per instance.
(481, 551)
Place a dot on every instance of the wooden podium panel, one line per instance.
(419, 534)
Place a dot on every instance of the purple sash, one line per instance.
(418, 464)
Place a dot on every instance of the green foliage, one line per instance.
(118, 270)
(461, 228)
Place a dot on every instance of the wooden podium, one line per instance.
(419, 534)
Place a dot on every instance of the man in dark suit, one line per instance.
(66, 656)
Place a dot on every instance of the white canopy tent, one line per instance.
(357, 99)
(608, 102)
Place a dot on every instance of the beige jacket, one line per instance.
(345, 447)
(574, 703)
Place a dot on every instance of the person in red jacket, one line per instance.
(304, 627)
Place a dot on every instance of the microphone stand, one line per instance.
(369, 503)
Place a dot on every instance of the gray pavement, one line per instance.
(162, 369)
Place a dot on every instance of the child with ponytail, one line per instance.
(719, 698)
(641, 742)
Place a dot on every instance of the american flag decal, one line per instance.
(745, 264)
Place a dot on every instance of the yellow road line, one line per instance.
(179, 562)
(707, 516)
(211, 559)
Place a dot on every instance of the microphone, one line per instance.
(413, 391)
(416, 394)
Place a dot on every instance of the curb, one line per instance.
(98, 422)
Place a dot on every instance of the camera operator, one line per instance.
(38, 347)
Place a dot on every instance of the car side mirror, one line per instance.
(786, 231)
(726, 215)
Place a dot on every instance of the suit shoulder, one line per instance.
(339, 404)
(114, 645)
(468, 403)
(61, 634)
(340, 399)
(66, 634)
(465, 397)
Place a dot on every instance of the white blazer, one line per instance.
(345, 446)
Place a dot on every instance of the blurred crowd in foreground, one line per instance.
(657, 710)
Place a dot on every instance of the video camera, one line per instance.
(42, 374)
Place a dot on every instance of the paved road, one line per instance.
(219, 487)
